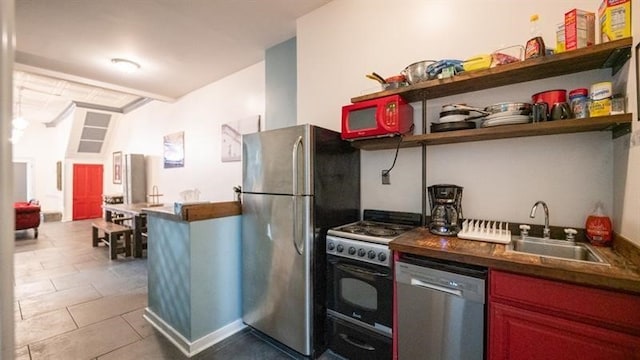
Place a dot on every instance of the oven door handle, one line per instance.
(356, 343)
(422, 284)
(359, 271)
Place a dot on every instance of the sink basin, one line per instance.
(554, 248)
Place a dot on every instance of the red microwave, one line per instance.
(386, 116)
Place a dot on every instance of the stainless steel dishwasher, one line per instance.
(441, 309)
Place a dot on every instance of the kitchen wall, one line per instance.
(200, 115)
(344, 40)
(280, 80)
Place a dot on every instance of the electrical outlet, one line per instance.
(386, 177)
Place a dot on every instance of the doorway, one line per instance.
(20, 181)
(87, 191)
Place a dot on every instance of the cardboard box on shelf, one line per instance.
(614, 17)
(579, 29)
(560, 42)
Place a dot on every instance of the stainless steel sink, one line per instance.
(555, 249)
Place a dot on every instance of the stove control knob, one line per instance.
(340, 248)
(330, 246)
(371, 254)
(361, 252)
(382, 256)
(352, 251)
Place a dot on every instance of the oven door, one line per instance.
(360, 291)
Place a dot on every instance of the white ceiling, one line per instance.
(64, 45)
(45, 99)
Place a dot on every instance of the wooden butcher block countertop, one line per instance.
(622, 272)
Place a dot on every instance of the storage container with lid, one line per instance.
(579, 103)
(600, 104)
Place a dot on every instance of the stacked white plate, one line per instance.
(505, 118)
(453, 118)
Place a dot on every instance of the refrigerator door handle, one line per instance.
(294, 166)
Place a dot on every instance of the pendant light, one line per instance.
(19, 123)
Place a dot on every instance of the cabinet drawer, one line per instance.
(355, 342)
(611, 309)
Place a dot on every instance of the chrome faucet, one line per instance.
(546, 233)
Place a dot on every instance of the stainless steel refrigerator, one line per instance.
(135, 180)
(297, 183)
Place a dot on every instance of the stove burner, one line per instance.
(354, 229)
(381, 232)
(399, 227)
(371, 231)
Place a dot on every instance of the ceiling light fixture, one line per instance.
(18, 121)
(125, 65)
(19, 124)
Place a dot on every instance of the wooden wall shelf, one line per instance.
(612, 55)
(618, 124)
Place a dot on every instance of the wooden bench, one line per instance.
(112, 233)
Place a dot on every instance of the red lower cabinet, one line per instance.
(532, 318)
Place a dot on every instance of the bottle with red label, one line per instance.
(598, 228)
(535, 46)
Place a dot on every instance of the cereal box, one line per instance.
(560, 47)
(579, 29)
(614, 17)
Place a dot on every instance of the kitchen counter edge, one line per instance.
(197, 212)
(622, 274)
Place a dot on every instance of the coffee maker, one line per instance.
(446, 209)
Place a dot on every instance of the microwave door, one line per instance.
(363, 119)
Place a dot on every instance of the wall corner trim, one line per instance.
(191, 348)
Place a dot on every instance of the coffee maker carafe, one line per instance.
(446, 209)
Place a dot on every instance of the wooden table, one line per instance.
(139, 222)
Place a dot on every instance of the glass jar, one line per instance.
(579, 102)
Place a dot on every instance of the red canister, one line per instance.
(550, 97)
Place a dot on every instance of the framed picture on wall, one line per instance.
(59, 175)
(174, 150)
(117, 167)
(231, 137)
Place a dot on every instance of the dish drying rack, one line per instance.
(485, 230)
(155, 197)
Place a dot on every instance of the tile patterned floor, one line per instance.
(73, 303)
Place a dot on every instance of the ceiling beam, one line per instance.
(86, 81)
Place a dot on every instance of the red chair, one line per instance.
(28, 216)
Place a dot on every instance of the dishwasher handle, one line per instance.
(468, 288)
(422, 284)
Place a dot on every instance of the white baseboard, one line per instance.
(190, 348)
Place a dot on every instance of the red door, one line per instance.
(87, 191)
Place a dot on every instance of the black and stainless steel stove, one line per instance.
(371, 231)
(368, 240)
(360, 283)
